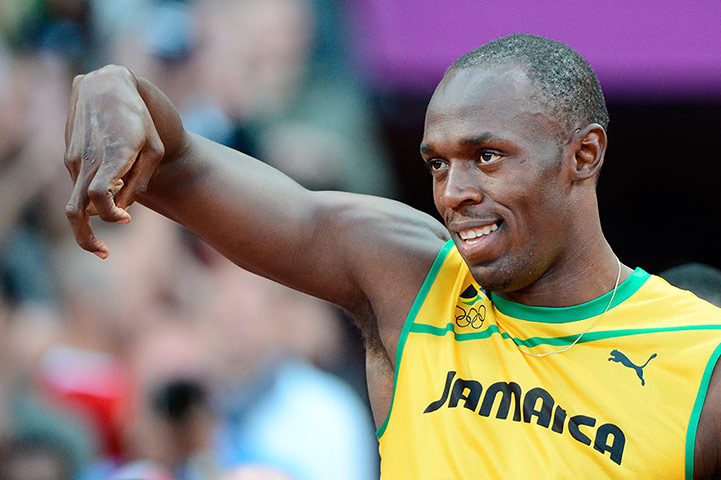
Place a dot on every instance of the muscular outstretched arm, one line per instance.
(125, 142)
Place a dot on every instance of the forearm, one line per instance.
(250, 212)
(241, 206)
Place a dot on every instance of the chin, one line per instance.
(491, 278)
(501, 277)
(497, 286)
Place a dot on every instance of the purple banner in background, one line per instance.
(649, 49)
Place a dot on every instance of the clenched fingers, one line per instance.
(101, 188)
(114, 192)
(76, 211)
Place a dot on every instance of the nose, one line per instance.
(461, 186)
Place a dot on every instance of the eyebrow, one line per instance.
(474, 140)
(480, 139)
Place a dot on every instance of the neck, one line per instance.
(578, 277)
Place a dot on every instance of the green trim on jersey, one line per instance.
(554, 341)
(420, 298)
(576, 312)
(696, 413)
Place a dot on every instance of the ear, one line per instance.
(589, 148)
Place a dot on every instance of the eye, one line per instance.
(488, 156)
(435, 165)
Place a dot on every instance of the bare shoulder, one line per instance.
(707, 457)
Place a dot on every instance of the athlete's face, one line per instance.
(498, 175)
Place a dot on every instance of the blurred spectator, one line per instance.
(39, 438)
(268, 77)
(55, 27)
(703, 280)
(34, 459)
(170, 432)
(33, 104)
(299, 104)
(32, 426)
(109, 308)
(276, 408)
(108, 18)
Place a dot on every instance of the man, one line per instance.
(515, 348)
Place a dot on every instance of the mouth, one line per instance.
(476, 243)
(475, 235)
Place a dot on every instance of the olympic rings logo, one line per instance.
(473, 317)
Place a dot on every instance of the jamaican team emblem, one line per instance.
(469, 309)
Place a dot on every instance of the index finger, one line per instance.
(77, 213)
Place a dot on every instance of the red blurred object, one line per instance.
(93, 384)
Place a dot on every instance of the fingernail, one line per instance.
(102, 255)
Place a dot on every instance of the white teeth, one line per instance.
(478, 232)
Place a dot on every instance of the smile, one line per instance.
(473, 235)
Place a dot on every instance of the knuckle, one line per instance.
(77, 79)
(97, 193)
(102, 74)
(73, 212)
(111, 68)
(72, 162)
(114, 70)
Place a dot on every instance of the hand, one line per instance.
(112, 150)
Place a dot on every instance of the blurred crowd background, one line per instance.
(167, 362)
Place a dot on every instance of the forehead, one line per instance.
(496, 100)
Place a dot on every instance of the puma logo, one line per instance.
(619, 357)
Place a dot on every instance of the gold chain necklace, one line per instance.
(613, 295)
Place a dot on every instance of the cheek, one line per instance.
(545, 219)
(537, 215)
(437, 191)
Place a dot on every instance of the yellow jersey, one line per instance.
(624, 402)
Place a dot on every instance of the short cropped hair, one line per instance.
(564, 81)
